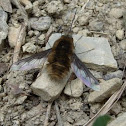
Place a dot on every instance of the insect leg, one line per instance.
(86, 51)
(60, 122)
(77, 40)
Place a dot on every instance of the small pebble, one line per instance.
(41, 37)
(74, 89)
(96, 25)
(40, 24)
(31, 33)
(120, 34)
(116, 109)
(29, 47)
(27, 3)
(55, 7)
(83, 20)
(116, 12)
(123, 44)
(116, 74)
(66, 1)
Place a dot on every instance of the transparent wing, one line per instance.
(84, 74)
(34, 61)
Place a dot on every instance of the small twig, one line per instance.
(48, 114)
(82, 9)
(20, 39)
(60, 123)
(73, 20)
(77, 40)
(99, 32)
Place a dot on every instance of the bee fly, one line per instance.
(61, 58)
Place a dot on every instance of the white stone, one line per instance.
(36, 10)
(41, 24)
(66, 1)
(116, 109)
(29, 47)
(54, 7)
(100, 58)
(95, 107)
(76, 29)
(83, 20)
(107, 88)
(116, 12)
(13, 35)
(47, 89)
(41, 37)
(96, 25)
(74, 88)
(120, 34)
(27, 3)
(123, 44)
(31, 33)
(119, 121)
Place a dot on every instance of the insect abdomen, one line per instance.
(60, 58)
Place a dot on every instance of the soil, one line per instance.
(18, 105)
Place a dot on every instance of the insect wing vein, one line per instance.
(31, 62)
(84, 74)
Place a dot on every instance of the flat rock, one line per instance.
(75, 88)
(97, 54)
(47, 89)
(3, 27)
(106, 90)
(119, 121)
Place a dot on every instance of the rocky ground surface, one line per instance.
(19, 106)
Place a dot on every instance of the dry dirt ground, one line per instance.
(100, 18)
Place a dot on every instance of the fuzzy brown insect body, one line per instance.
(60, 58)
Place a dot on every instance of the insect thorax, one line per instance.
(60, 58)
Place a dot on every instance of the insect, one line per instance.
(61, 58)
